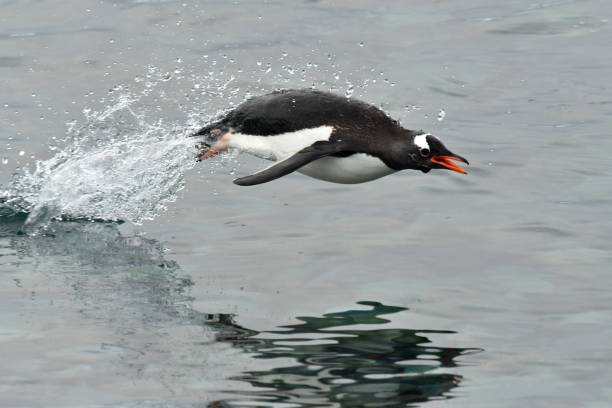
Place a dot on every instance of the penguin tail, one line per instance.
(212, 128)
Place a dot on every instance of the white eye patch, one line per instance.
(421, 141)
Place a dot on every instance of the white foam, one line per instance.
(115, 167)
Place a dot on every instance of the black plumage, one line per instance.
(357, 127)
(362, 127)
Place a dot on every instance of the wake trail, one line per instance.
(115, 166)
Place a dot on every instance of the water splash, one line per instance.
(441, 115)
(115, 166)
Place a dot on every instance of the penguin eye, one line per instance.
(424, 152)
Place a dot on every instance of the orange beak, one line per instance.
(447, 161)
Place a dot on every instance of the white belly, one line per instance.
(278, 147)
(357, 168)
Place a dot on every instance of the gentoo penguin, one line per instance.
(325, 136)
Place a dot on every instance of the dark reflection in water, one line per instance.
(122, 278)
(347, 359)
(343, 365)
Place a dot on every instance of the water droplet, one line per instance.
(259, 63)
(5, 160)
(284, 54)
(21, 152)
(441, 115)
(361, 43)
(111, 41)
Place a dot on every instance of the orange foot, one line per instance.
(220, 146)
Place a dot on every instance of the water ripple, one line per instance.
(338, 362)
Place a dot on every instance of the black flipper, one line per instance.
(292, 163)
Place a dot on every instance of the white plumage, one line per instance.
(421, 140)
(281, 146)
(356, 168)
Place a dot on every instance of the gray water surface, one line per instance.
(439, 290)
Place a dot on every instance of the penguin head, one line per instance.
(432, 154)
(424, 151)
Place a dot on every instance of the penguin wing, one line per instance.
(292, 163)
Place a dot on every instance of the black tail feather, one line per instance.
(205, 131)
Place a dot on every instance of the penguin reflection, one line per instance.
(126, 281)
(346, 366)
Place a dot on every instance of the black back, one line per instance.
(362, 127)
